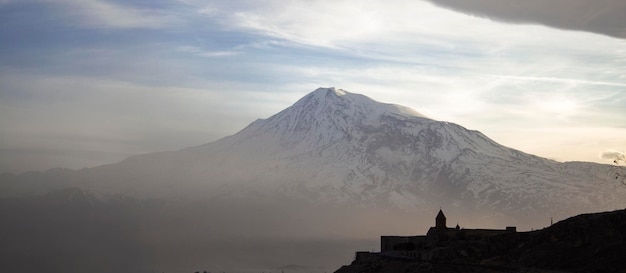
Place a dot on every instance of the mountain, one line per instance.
(323, 176)
(333, 146)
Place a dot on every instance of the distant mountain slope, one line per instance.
(333, 146)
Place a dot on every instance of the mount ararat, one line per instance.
(339, 147)
(338, 163)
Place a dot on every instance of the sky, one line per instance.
(91, 82)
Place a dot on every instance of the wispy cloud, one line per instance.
(329, 24)
(105, 13)
(207, 53)
(561, 80)
(100, 13)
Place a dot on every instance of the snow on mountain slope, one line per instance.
(333, 146)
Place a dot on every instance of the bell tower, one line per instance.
(440, 220)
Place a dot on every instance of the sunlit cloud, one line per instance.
(562, 80)
(207, 53)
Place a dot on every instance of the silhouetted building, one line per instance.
(426, 247)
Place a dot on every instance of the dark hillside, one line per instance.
(584, 243)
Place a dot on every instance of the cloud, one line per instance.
(103, 13)
(207, 53)
(600, 16)
(614, 155)
(100, 13)
(562, 80)
(393, 30)
(331, 24)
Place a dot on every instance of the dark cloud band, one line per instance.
(599, 16)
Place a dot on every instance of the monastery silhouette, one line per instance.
(431, 245)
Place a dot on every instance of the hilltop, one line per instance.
(584, 243)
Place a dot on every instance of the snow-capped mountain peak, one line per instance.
(349, 103)
(333, 146)
(327, 115)
(345, 146)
